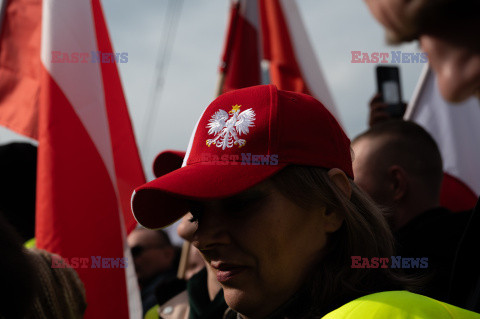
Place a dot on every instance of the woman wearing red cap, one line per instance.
(268, 182)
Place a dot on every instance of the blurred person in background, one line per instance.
(155, 260)
(399, 165)
(18, 283)
(18, 171)
(195, 263)
(447, 31)
(61, 294)
(31, 287)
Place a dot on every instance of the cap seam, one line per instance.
(272, 137)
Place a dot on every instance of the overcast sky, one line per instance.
(335, 27)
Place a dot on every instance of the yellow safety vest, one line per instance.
(399, 305)
(30, 243)
(152, 313)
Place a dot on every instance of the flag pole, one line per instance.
(220, 82)
(182, 265)
(235, 8)
(3, 6)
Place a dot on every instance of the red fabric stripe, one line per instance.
(20, 66)
(128, 167)
(456, 195)
(241, 55)
(77, 212)
(278, 49)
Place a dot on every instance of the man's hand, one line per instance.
(379, 110)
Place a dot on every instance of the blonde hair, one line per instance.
(364, 232)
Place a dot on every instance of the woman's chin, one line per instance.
(246, 303)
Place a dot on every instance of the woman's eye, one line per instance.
(246, 206)
(240, 206)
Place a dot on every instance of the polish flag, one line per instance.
(63, 89)
(267, 43)
(455, 129)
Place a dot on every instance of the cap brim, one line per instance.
(163, 201)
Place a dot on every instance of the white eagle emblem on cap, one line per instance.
(228, 128)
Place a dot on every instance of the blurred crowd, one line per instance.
(395, 162)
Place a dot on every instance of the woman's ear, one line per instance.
(339, 178)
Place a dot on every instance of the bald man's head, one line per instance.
(402, 145)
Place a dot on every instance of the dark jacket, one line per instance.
(438, 235)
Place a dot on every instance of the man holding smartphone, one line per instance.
(387, 103)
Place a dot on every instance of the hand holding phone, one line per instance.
(388, 85)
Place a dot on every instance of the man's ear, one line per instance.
(399, 181)
(338, 177)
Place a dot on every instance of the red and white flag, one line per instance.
(69, 96)
(20, 65)
(267, 43)
(455, 129)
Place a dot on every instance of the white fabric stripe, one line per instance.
(249, 10)
(454, 127)
(190, 143)
(68, 26)
(412, 105)
(306, 58)
(133, 291)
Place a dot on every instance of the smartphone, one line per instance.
(388, 84)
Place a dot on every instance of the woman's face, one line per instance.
(260, 245)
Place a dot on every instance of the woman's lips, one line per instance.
(226, 272)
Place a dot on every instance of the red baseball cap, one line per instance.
(167, 161)
(242, 138)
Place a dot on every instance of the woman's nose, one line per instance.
(211, 230)
(186, 229)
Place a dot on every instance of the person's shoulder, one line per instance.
(433, 225)
(177, 307)
(399, 304)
